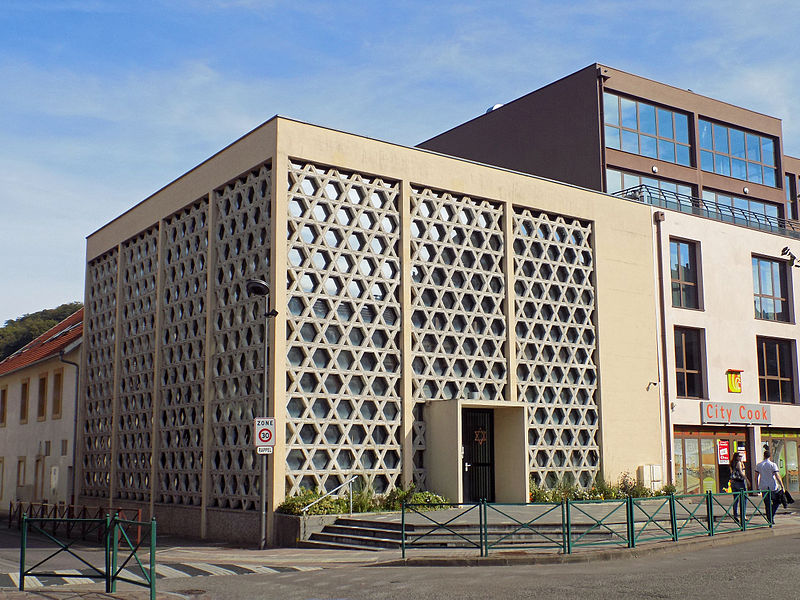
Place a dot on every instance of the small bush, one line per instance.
(364, 500)
(599, 490)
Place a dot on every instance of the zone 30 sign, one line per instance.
(264, 434)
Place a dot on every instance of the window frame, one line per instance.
(712, 153)
(697, 285)
(680, 332)
(24, 396)
(656, 135)
(3, 405)
(57, 394)
(41, 398)
(759, 297)
(22, 468)
(764, 377)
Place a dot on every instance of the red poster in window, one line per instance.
(723, 451)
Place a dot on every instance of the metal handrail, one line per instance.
(337, 488)
(648, 194)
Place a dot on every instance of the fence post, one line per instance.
(114, 550)
(673, 518)
(482, 527)
(107, 552)
(710, 511)
(153, 559)
(742, 509)
(403, 530)
(568, 528)
(630, 523)
(22, 547)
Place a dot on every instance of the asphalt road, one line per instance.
(768, 566)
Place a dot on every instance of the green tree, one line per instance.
(18, 332)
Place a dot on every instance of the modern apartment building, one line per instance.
(726, 247)
(440, 322)
(37, 416)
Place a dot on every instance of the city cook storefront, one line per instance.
(702, 454)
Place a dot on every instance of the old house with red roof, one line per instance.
(38, 386)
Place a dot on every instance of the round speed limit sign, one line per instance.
(264, 432)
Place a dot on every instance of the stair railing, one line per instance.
(348, 482)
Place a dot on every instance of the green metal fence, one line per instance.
(574, 524)
(112, 530)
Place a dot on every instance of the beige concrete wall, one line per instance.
(626, 302)
(29, 440)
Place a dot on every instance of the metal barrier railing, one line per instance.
(70, 517)
(573, 524)
(111, 529)
(542, 535)
(436, 530)
(654, 196)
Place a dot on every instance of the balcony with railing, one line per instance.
(711, 210)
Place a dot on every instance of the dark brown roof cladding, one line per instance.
(50, 343)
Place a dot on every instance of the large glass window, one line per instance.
(791, 196)
(689, 362)
(775, 370)
(770, 289)
(737, 153)
(760, 207)
(621, 180)
(644, 129)
(684, 274)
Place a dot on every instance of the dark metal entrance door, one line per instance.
(477, 438)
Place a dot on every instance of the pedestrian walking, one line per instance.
(739, 483)
(769, 480)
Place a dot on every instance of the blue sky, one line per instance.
(103, 101)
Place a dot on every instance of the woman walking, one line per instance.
(738, 483)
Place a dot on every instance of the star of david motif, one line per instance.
(480, 436)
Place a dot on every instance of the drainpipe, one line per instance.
(74, 422)
(658, 218)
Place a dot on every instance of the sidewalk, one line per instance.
(175, 555)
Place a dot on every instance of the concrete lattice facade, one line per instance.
(415, 284)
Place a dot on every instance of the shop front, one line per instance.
(783, 443)
(702, 457)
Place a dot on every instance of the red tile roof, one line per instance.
(49, 344)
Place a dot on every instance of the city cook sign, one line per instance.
(727, 413)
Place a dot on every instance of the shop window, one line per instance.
(684, 274)
(23, 401)
(58, 390)
(775, 370)
(689, 362)
(41, 405)
(770, 289)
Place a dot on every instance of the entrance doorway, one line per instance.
(477, 440)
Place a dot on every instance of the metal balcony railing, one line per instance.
(711, 210)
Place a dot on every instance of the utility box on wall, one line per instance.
(650, 476)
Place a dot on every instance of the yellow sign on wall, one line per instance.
(734, 381)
